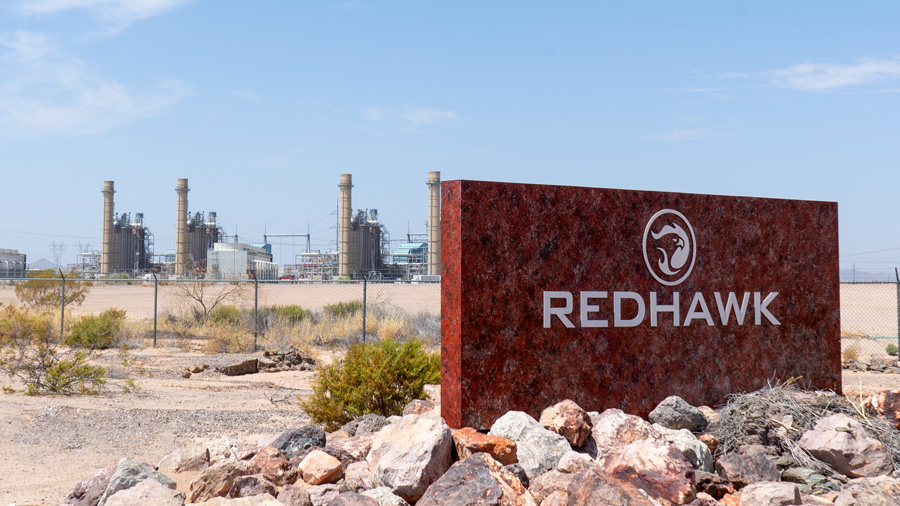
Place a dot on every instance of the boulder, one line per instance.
(221, 450)
(770, 493)
(384, 497)
(674, 413)
(352, 499)
(712, 416)
(257, 500)
(704, 499)
(478, 479)
(842, 443)
(517, 470)
(694, 450)
(546, 484)
(814, 500)
(660, 470)
(147, 492)
(594, 488)
(353, 448)
(319, 468)
(567, 419)
(241, 368)
(294, 441)
(358, 476)
(558, 498)
(217, 480)
(321, 495)
(711, 442)
(292, 495)
(537, 448)
(418, 407)
(128, 474)
(271, 463)
(433, 393)
(744, 470)
(251, 485)
(89, 491)
(574, 462)
(468, 442)
(876, 491)
(712, 484)
(613, 428)
(410, 455)
(184, 463)
(886, 404)
(370, 422)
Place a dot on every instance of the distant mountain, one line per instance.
(41, 265)
(861, 276)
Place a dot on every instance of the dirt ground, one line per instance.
(50, 443)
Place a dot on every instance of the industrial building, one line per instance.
(194, 235)
(12, 264)
(127, 242)
(232, 260)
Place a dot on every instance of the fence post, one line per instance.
(364, 309)
(255, 309)
(897, 275)
(155, 299)
(62, 306)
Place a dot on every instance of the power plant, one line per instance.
(364, 245)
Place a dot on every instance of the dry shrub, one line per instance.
(224, 338)
(851, 352)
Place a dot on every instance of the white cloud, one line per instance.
(117, 13)
(696, 134)
(414, 117)
(45, 91)
(831, 76)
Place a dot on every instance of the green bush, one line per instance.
(97, 332)
(891, 349)
(291, 313)
(343, 308)
(380, 377)
(225, 314)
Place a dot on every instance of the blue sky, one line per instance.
(263, 104)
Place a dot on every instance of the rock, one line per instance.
(552, 481)
(418, 407)
(574, 462)
(292, 495)
(468, 441)
(674, 413)
(660, 470)
(128, 474)
(814, 500)
(703, 499)
(517, 470)
(217, 480)
(239, 369)
(594, 488)
(353, 448)
(221, 450)
(802, 476)
(184, 464)
(247, 453)
(251, 485)
(319, 468)
(352, 499)
(567, 419)
(147, 492)
(410, 455)
(186, 375)
(90, 490)
(742, 471)
(711, 442)
(613, 428)
(385, 497)
(876, 491)
(321, 495)
(358, 476)
(335, 437)
(477, 480)
(558, 498)
(433, 392)
(842, 443)
(770, 493)
(197, 368)
(297, 440)
(712, 484)
(712, 416)
(694, 450)
(537, 448)
(273, 465)
(370, 422)
(257, 500)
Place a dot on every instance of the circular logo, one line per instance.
(669, 247)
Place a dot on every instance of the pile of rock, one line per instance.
(566, 457)
(872, 364)
(290, 359)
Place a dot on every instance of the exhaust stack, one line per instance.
(344, 260)
(434, 223)
(108, 252)
(182, 237)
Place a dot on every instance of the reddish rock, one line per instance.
(842, 443)
(546, 484)
(558, 498)
(216, 480)
(251, 485)
(567, 419)
(614, 428)
(660, 470)
(274, 465)
(319, 468)
(358, 476)
(352, 499)
(293, 495)
(877, 491)
(711, 442)
(352, 449)
(730, 500)
(240, 369)
(89, 491)
(574, 462)
(704, 499)
(886, 404)
(418, 407)
(770, 493)
(712, 484)
(477, 480)
(468, 441)
(147, 492)
(594, 488)
(321, 495)
(744, 470)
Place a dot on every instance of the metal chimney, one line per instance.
(434, 223)
(108, 253)
(182, 235)
(344, 247)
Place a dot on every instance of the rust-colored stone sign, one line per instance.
(617, 298)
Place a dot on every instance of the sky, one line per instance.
(262, 105)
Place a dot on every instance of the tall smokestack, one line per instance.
(434, 223)
(182, 237)
(108, 251)
(344, 247)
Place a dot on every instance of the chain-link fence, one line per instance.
(230, 316)
(870, 320)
